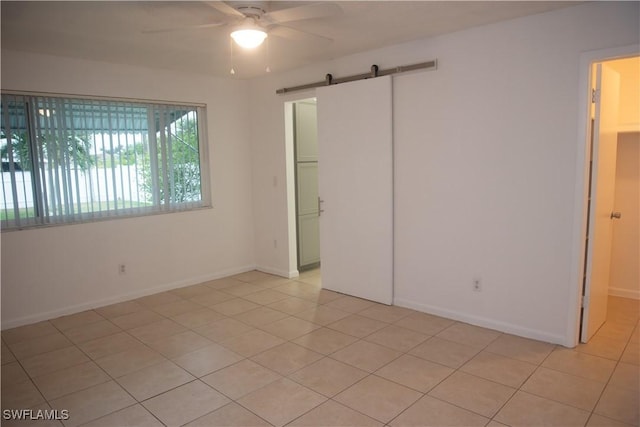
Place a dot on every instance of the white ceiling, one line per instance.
(114, 31)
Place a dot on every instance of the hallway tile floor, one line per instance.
(259, 350)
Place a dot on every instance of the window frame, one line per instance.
(40, 221)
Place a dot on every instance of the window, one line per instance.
(67, 160)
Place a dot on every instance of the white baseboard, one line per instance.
(624, 293)
(76, 308)
(277, 272)
(484, 322)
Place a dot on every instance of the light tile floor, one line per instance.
(258, 350)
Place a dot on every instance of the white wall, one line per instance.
(486, 151)
(625, 245)
(629, 111)
(51, 271)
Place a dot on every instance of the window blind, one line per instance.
(67, 160)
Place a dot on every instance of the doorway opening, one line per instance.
(610, 283)
(303, 125)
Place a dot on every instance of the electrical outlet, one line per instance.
(122, 268)
(477, 285)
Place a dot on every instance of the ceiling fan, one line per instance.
(251, 22)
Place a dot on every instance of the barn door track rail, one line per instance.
(375, 72)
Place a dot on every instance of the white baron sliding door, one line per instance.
(355, 153)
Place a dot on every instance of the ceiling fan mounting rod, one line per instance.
(375, 72)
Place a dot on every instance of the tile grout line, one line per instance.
(618, 361)
(324, 356)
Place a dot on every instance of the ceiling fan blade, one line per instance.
(184, 28)
(311, 11)
(295, 34)
(223, 7)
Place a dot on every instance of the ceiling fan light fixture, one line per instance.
(248, 38)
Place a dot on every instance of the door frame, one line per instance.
(581, 199)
